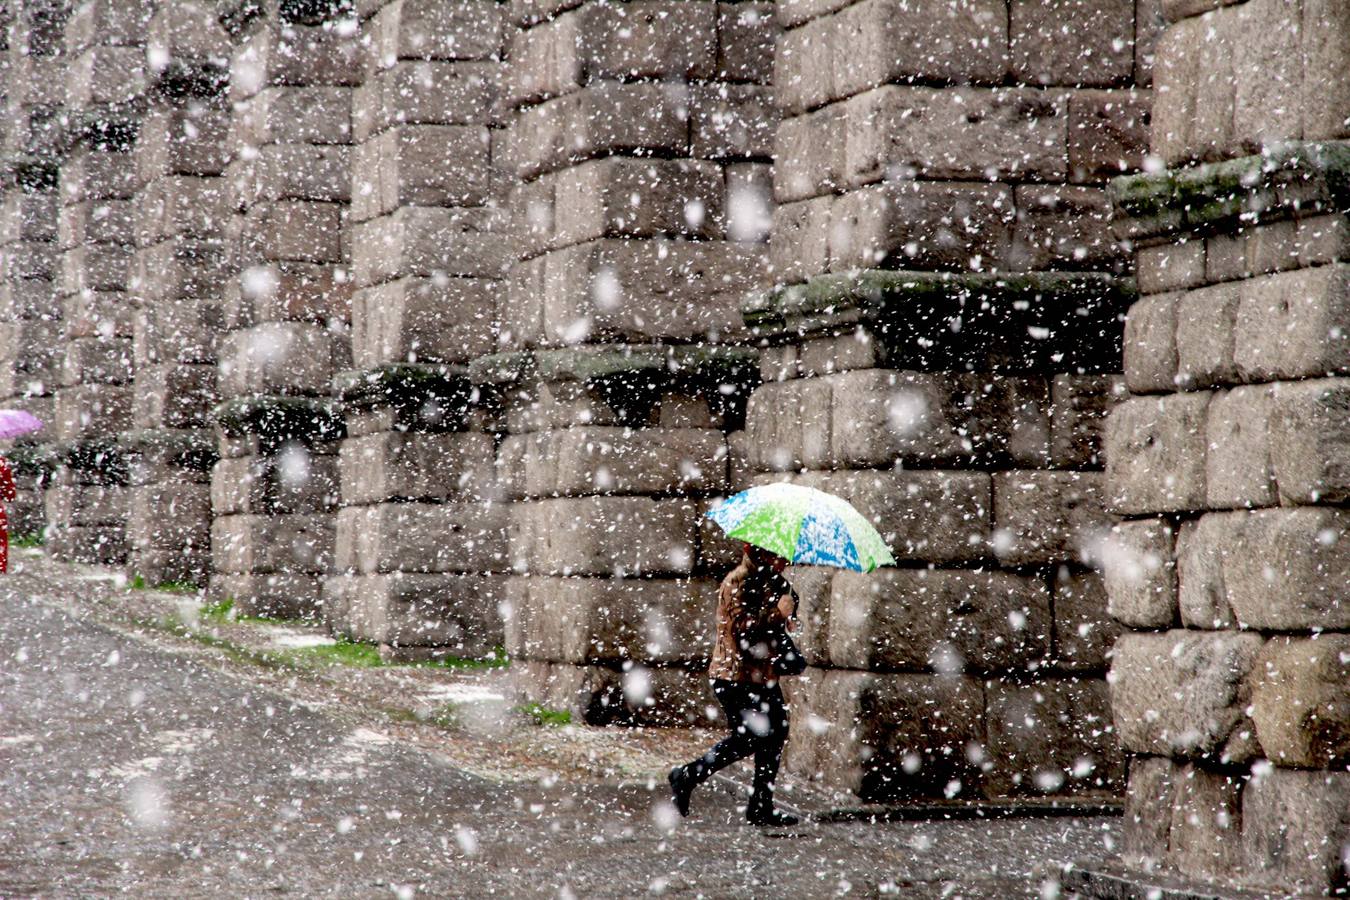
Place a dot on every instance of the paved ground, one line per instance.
(139, 756)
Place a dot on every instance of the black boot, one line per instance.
(762, 813)
(681, 786)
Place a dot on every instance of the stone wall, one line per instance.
(638, 255)
(30, 311)
(1229, 568)
(941, 350)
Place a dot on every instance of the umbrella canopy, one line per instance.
(804, 526)
(17, 422)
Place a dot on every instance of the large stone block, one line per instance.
(89, 268)
(430, 242)
(421, 537)
(1309, 440)
(299, 172)
(299, 114)
(281, 596)
(192, 206)
(788, 425)
(428, 29)
(604, 536)
(106, 76)
(1148, 811)
(1072, 44)
(1300, 705)
(1151, 345)
(1184, 693)
(1206, 319)
(275, 544)
(1065, 227)
(457, 612)
(174, 396)
(294, 56)
(938, 619)
(87, 504)
(591, 460)
(424, 92)
(173, 516)
(957, 133)
(1155, 454)
(278, 358)
(1084, 631)
(1051, 737)
(602, 118)
(813, 150)
(97, 545)
(92, 410)
(1238, 457)
(1078, 411)
(886, 737)
(95, 361)
(799, 240)
(376, 468)
(294, 230)
(1139, 568)
(445, 320)
(1205, 823)
(1294, 324)
(1289, 569)
(1204, 547)
(295, 480)
(1108, 132)
(640, 290)
(745, 41)
(921, 225)
(614, 620)
(172, 140)
(1295, 827)
(1047, 516)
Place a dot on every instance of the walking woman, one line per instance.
(753, 600)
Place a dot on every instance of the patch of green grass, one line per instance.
(26, 541)
(344, 652)
(137, 583)
(220, 611)
(178, 587)
(542, 715)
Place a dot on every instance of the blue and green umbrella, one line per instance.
(804, 526)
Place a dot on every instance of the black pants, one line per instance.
(758, 719)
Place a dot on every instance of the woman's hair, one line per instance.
(755, 580)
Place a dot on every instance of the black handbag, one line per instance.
(784, 656)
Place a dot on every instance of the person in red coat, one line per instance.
(8, 494)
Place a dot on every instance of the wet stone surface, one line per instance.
(134, 759)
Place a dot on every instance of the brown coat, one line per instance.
(733, 657)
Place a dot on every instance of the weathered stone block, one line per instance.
(447, 320)
(87, 504)
(1072, 44)
(173, 140)
(1084, 631)
(174, 396)
(604, 536)
(799, 242)
(319, 172)
(1183, 693)
(613, 460)
(273, 544)
(1295, 827)
(1206, 822)
(1204, 546)
(299, 114)
(106, 76)
(421, 537)
(92, 410)
(1170, 267)
(745, 41)
(292, 481)
(1053, 737)
(1155, 455)
(281, 596)
(96, 545)
(458, 612)
(922, 225)
(788, 425)
(299, 230)
(1309, 440)
(1148, 811)
(1294, 324)
(92, 267)
(1064, 226)
(427, 29)
(96, 361)
(957, 133)
(174, 516)
(1299, 701)
(1139, 569)
(428, 242)
(1206, 318)
(1238, 458)
(416, 92)
(1151, 345)
(1108, 132)
(1047, 516)
(944, 620)
(278, 358)
(380, 467)
(1289, 569)
(602, 118)
(886, 736)
(597, 620)
(1078, 411)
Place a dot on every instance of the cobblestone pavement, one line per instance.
(144, 749)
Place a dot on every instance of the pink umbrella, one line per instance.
(17, 422)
